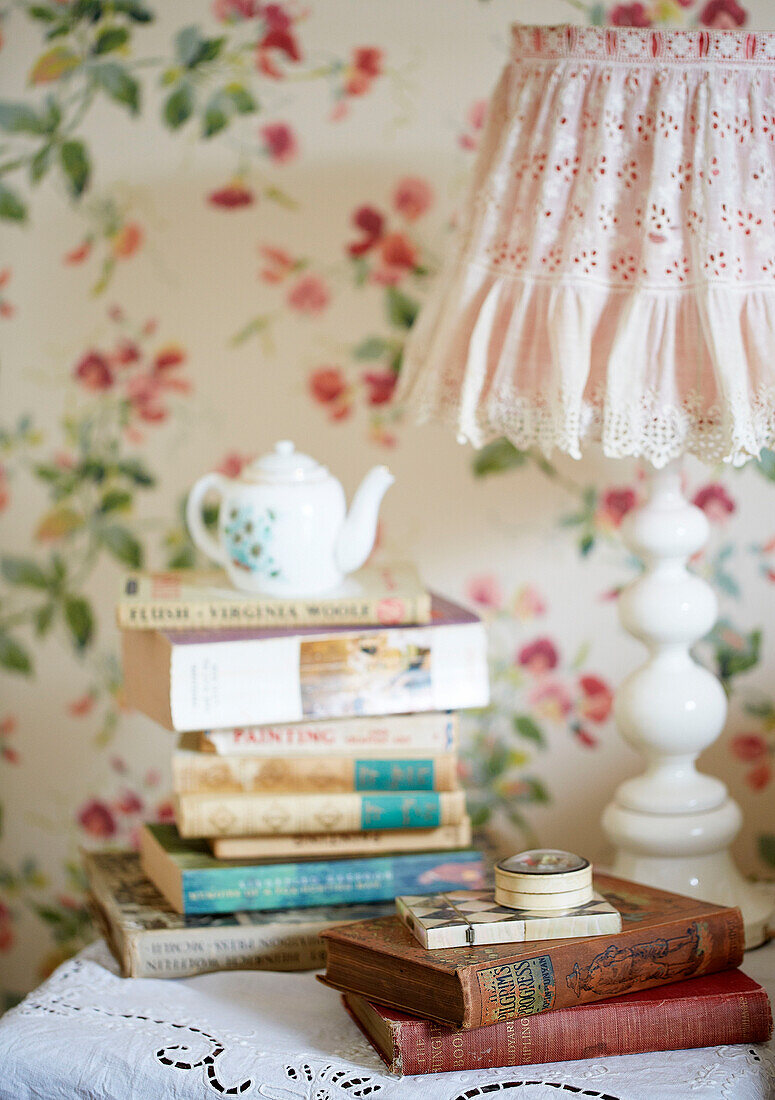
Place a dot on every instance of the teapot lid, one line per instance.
(285, 464)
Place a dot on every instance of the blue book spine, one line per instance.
(400, 811)
(330, 882)
(394, 775)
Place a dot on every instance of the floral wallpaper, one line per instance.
(218, 221)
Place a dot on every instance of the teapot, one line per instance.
(283, 529)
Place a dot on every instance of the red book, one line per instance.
(722, 1008)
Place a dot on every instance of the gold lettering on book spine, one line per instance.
(516, 989)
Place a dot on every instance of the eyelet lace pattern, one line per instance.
(278, 1036)
(615, 274)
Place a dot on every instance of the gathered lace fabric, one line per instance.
(614, 275)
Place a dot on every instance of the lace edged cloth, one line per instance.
(86, 1033)
(614, 278)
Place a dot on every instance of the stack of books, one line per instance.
(666, 981)
(316, 765)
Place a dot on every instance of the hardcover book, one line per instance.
(190, 680)
(193, 881)
(385, 595)
(309, 845)
(209, 815)
(461, 918)
(151, 940)
(434, 733)
(665, 938)
(720, 1009)
(197, 772)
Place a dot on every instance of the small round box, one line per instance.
(558, 902)
(543, 878)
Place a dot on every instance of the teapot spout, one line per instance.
(356, 536)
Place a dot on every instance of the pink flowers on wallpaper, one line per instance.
(614, 506)
(551, 694)
(715, 501)
(120, 818)
(278, 41)
(280, 142)
(142, 382)
(8, 751)
(721, 14)
(383, 253)
(112, 237)
(585, 699)
(309, 294)
(6, 307)
(754, 749)
(232, 196)
(392, 251)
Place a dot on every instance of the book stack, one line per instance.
(316, 764)
(666, 981)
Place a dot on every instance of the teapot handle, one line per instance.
(196, 527)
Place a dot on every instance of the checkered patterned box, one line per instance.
(465, 918)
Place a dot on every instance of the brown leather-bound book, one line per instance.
(665, 938)
(721, 1008)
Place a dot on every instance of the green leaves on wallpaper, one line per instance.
(87, 498)
(91, 60)
(193, 53)
(92, 481)
(85, 31)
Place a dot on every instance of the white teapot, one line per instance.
(282, 528)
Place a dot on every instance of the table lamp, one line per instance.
(614, 280)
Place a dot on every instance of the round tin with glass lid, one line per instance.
(543, 871)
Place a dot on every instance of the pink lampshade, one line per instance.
(614, 276)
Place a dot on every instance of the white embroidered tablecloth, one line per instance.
(87, 1034)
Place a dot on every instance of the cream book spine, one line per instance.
(204, 772)
(383, 595)
(312, 845)
(432, 733)
(166, 953)
(209, 815)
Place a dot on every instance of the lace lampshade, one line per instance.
(614, 280)
(615, 272)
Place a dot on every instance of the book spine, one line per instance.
(166, 954)
(577, 972)
(204, 772)
(159, 614)
(289, 678)
(343, 844)
(340, 882)
(433, 733)
(210, 815)
(592, 1031)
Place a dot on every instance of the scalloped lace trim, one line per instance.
(646, 429)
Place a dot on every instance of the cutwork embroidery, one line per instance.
(326, 1083)
(164, 1054)
(617, 262)
(501, 1086)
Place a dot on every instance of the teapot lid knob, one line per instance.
(285, 464)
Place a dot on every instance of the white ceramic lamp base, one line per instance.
(672, 826)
